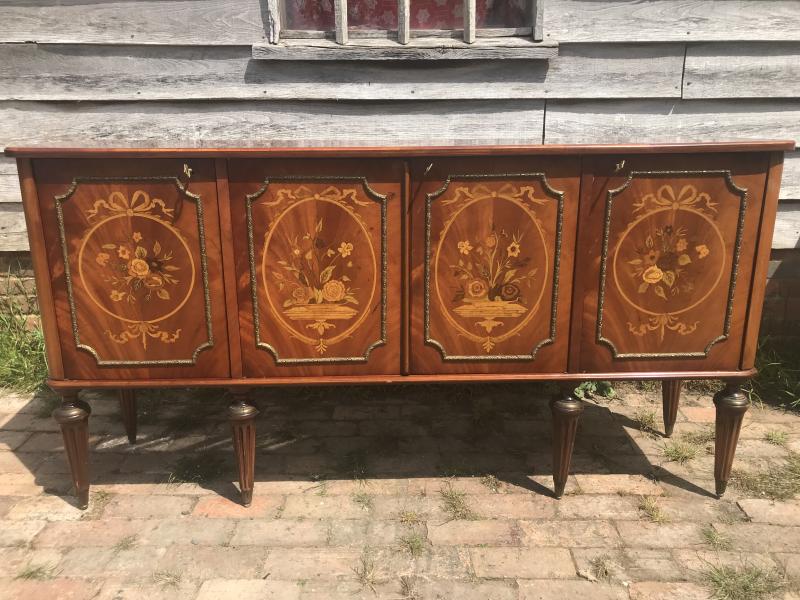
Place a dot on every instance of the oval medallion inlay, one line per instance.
(146, 270)
(319, 271)
(669, 261)
(490, 269)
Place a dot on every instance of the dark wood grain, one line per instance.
(666, 233)
(670, 399)
(404, 151)
(566, 411)
(326, 265)
(761, 266)
(491, 264)
(73, 418)
(228, 266)
(731, 405)
(242, 416)
(65, 384)
(136, 265)
(127, 408)
(41, 268)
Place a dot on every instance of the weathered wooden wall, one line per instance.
(169, 73)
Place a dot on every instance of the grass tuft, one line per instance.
(715, 539)
(363, 499)
(650, 508)
(409, 517)
(126, 543)
(454, 503)
(167, 579)
(776, 382)
(743, 583)
(777, 438)
(413, 543)
(646, 422)
(37, 572)
(680, 451)
(22, 359)
(704, 436)
(602, 567)
(595, 389)
(365, 570)
(354, 465)
(197, 468)
(778, 483)
(408, 588)
(493, 483)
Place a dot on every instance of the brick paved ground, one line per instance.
(356, 490)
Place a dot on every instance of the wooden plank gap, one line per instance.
(469, 21)
(340, 12)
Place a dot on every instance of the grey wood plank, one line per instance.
(199, 124)
(652, 121)
(753, 70)
(417, 49)
(787, 226)
(13, 236)
(671, 20)
(69, 72)
(649, 121)
(9, 189)
(14, 242)
(135, 21)
(242, 22)
(790, 183)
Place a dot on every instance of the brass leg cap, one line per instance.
(247, 497)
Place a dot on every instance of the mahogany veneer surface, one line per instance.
(234, 264)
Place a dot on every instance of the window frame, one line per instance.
(404, 35)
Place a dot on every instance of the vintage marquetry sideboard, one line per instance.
(237, 268)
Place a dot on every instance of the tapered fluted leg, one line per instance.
(566, 411)
(73, 417)
(243, 423)
(127, 406)
(731, 405)
(670, 396)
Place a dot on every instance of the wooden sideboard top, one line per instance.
(405, 151)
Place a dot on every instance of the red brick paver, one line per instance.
(400, 493)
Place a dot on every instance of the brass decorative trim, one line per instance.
(384, 268)
(429, 198)
(61, 199)
(610, 194)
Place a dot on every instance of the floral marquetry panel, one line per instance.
(318, 265)
(674, 255)
(491, 277)
(134, 249)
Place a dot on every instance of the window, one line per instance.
(404, 21)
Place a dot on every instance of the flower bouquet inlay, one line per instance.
(142, 268)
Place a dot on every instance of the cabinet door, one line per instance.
(492, 264)
(666, 258)
(318, 256)
(133, 249)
